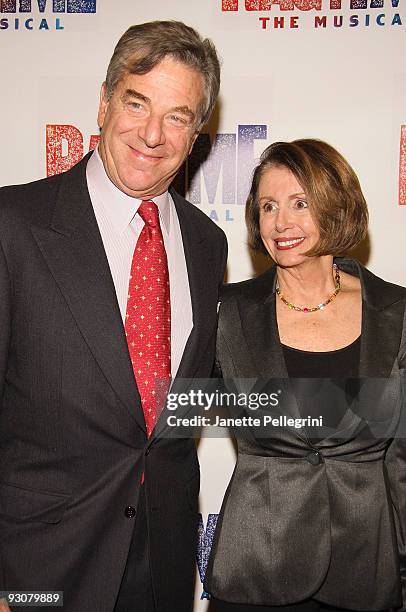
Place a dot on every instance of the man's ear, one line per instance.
(103, 105)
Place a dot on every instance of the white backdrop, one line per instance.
(334, 71)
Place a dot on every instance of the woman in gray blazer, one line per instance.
(314, 519)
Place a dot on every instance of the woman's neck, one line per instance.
(308, 283)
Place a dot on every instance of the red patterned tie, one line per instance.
(148, 318)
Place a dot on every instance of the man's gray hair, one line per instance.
(144, 46)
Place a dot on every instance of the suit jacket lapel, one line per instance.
(74, 252)
(197, 256)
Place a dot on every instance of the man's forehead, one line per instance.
(168, 64)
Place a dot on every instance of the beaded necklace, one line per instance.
(321, 306)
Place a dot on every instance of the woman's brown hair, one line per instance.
(335, 198)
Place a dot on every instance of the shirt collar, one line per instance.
(120, 207)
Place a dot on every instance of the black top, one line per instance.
(341, 365)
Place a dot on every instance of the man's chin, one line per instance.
(143, 191)
(138, 185)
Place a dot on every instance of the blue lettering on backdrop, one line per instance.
(25, 6)
(230, 157)
(29, 24)
(58, 6)
(7, 6)
(219, 157)
(81, 6)
(205, 542)
(247, 134)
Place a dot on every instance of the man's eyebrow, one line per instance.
(131, 93)
(185, 110)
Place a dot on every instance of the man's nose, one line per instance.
(152, 132)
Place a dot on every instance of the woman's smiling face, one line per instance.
(286, 225)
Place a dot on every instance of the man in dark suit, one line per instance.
(108, 283)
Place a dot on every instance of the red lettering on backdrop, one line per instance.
(266, 5)
(229, 5)
(284, 5)
(94, 141)
(264, 21)
(402, 166)
(258, 5)
(307, 5)
(56, 135)
(320, 21)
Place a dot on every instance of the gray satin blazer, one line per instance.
(325, 520)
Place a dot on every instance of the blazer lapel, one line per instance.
(260, 330)
(381, 332)
(380, 339)
(75, 255)
(382, 320)
(258, 322)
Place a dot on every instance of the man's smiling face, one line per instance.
(149, 126)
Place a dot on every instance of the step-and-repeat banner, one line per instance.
(330, 69)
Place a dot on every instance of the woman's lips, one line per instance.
(284, 244)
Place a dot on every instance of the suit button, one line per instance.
(314, 458)
(130, 512)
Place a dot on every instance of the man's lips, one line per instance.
(283, 244)
(144, 156)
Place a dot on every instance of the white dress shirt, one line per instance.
(120, 226)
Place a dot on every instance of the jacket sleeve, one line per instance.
(4, 344)
(4, 322)
(216, 373)
(396, 466)
(395, 462)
